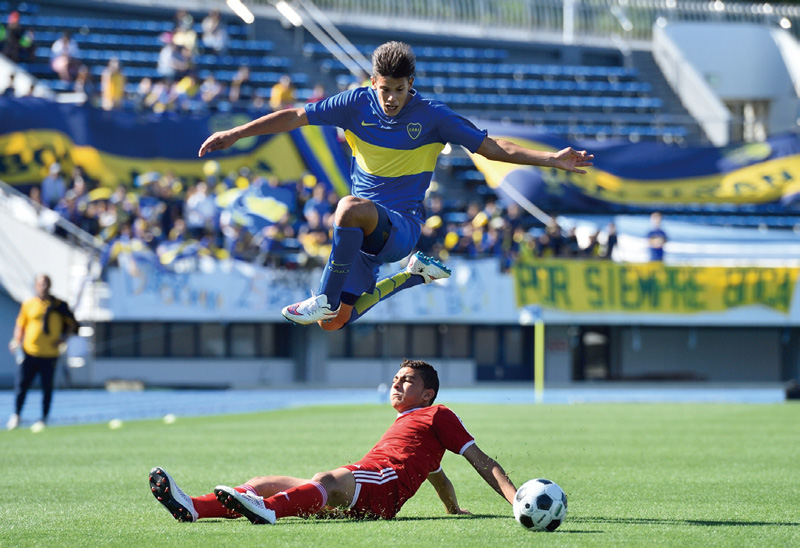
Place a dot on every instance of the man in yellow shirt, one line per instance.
(282, 95)
(42, 325)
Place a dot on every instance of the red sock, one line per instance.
(304, 500)
(208, 506)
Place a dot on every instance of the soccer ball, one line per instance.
(540, 505)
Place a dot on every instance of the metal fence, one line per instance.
(571, 20)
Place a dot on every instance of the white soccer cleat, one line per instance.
(13, 422)
(167, 492)
(312, 310)
(429, 268)
(247, 504)
(38, 426)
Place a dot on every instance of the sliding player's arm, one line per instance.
(274, 122)
(491, 472)
(446, 491)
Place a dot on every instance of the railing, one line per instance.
(566, 20)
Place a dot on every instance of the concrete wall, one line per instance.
(713, 354)
(741, 62)
(197, 373)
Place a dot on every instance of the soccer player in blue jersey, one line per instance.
(395, 136)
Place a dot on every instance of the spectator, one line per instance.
(53, 186)
(210, 91)
(592, 248)
(555, 238)
(160, 98)
(571, 247)
(68, 208)
(65, 57)
(214, 34)
(316, 238)
(85, 84)
(200, 211)
(143, 89)
(10, 90)
(42, 326)
(283, 94)
(172, 62)
(318, 202)
(112, 85)
(317, 94)
(656, 238)
(36, 198)
(186, 92)
(17, 42)
(184, 35)
(240, 89)
(611, 241)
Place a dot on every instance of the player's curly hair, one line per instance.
(430, 378)
(394, 60)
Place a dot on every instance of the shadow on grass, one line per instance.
(695, 522)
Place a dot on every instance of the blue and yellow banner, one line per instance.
(324, 156)
(571, 285)
(629, 176)
(116, 147)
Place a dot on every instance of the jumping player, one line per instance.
(375, 487)
(395, 136)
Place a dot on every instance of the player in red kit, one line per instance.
(376, 486)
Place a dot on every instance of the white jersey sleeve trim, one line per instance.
(466, 446)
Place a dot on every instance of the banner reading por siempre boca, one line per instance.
(649, 288)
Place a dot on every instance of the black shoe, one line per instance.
(167, 492)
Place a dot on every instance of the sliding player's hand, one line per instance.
(218, 141)
(572, 160)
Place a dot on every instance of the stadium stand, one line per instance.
(580, 94)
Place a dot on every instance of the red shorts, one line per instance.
(379, 493)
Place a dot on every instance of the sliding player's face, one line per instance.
(393, 93)
(408, 390)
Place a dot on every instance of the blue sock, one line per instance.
(384, 289)
(346, 245)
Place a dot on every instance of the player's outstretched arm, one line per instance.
(491, 472)
(274, 122)
(567, 159)
(446, 491)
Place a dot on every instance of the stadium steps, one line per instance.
(650, 72)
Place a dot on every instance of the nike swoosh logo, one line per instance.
(363, 123)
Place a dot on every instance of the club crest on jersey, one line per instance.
(414, 130)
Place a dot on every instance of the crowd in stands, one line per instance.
(171, 219)
(168, 220)
(178, 86)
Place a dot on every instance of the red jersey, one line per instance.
(415, 444)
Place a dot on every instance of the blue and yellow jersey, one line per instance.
(394, 156)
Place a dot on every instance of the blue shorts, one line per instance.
(402, 238)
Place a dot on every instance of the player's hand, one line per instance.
(12, 346)
(463, 512)
(572, 160)
(218, 141)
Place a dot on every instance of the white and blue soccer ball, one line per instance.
(540, 505)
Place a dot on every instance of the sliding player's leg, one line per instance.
(335, 488)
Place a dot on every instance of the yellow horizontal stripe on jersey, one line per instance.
(391, 162)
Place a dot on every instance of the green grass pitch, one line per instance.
(636, 475)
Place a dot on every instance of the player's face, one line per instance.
(408, 390)
(42, 287)
(393, 93)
